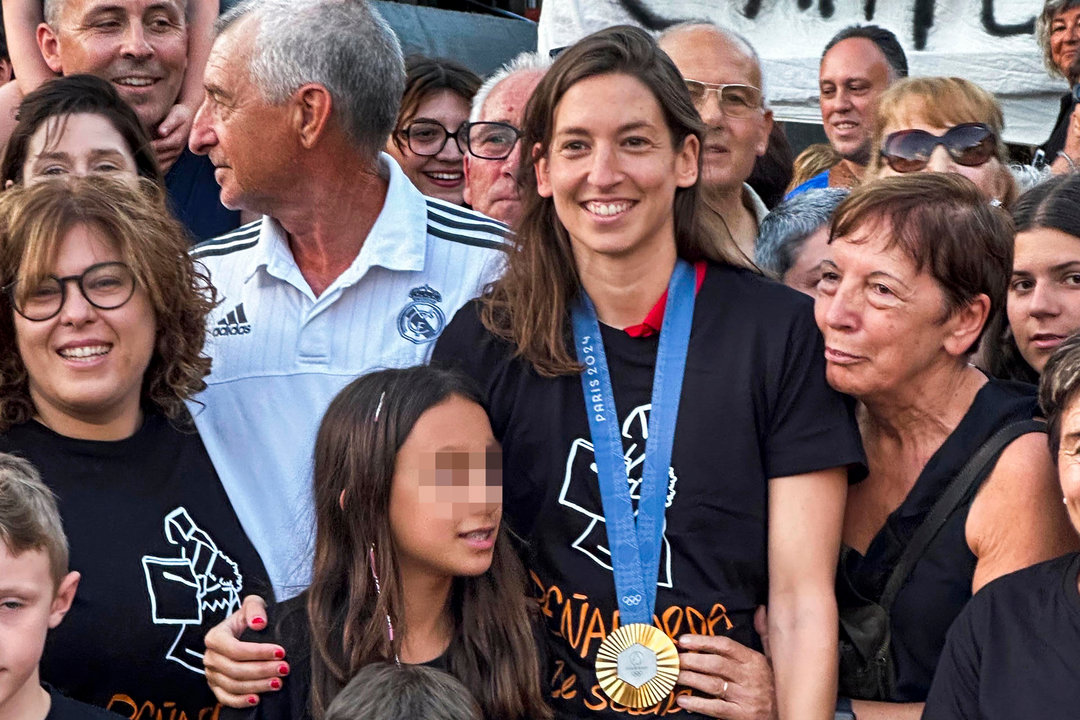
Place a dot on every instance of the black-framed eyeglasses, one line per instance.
(106, 286)
(735, 99)
(428, 137)
(968, 144)
(490, 140)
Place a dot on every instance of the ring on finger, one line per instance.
(723, 691)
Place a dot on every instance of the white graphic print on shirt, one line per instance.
(581, 464)
(195, 590)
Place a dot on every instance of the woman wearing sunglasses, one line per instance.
(425, 142)
(942, 124)
(101, 343)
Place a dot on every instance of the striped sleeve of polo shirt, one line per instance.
(281, 353)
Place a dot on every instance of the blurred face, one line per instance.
(491, 185)
(884, 323)
(732, 144)
(79, 144)
(853, 75)
(990, 177)
(86, 364)
(30, 605)
(1044, 292)
(1065, 40)
(612, 170)
(140, 46)
(446, 500)
(235, 126)
(805, 272)
(441, 175)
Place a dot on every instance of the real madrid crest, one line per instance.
(422, 320)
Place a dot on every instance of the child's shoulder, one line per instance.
(64, 708)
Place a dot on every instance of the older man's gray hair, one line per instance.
(345, 46)
(1042, 30)
(523, 62)
(786, 228)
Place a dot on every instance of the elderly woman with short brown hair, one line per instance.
(915, 266)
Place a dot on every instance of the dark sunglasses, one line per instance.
(968, 144)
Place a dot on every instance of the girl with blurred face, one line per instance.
(411, 562)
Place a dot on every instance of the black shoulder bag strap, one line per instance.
(960, 486)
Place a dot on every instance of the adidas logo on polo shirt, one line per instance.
(234, 323)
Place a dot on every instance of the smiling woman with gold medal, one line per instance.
(673, 457)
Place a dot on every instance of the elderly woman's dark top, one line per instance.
(1015, 650)
(1056, 142)
(939, 585)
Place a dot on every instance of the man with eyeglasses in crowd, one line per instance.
(723, 74)
(859, 63)
(493, 157)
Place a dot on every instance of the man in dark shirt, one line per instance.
(140, 47)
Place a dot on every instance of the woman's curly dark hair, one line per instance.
(35, 219)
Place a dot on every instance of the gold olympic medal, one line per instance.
(637, 665)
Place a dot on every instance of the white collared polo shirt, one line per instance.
(280, 354)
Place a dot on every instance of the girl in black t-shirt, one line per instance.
(410, 564)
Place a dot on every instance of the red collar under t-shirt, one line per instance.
(655, 319)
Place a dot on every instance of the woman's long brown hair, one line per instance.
(493, 651)
(528, 305)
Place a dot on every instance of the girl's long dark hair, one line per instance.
(493, 650)
(1053, 204)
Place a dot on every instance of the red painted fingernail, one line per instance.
(283, 669)
(279, 654)
(258, 621)
(252, 700)
(275, 684)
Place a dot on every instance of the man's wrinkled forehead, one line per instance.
(506, 102)
(69, 11)
(856, 58)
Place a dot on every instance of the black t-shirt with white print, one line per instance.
(754, 406)
(162, 557)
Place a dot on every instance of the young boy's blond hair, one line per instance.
(29, 519)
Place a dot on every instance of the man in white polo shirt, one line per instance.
(349, 270)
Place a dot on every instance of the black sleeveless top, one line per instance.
(940, 583)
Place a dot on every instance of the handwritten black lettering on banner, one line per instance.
(922, 16)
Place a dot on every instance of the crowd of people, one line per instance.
(339, 385)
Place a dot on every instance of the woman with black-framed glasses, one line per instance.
(942, 124)
(101, 345)
(429, 140)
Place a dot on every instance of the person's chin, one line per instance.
(857, 154)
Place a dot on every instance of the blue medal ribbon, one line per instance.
(635, 544)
